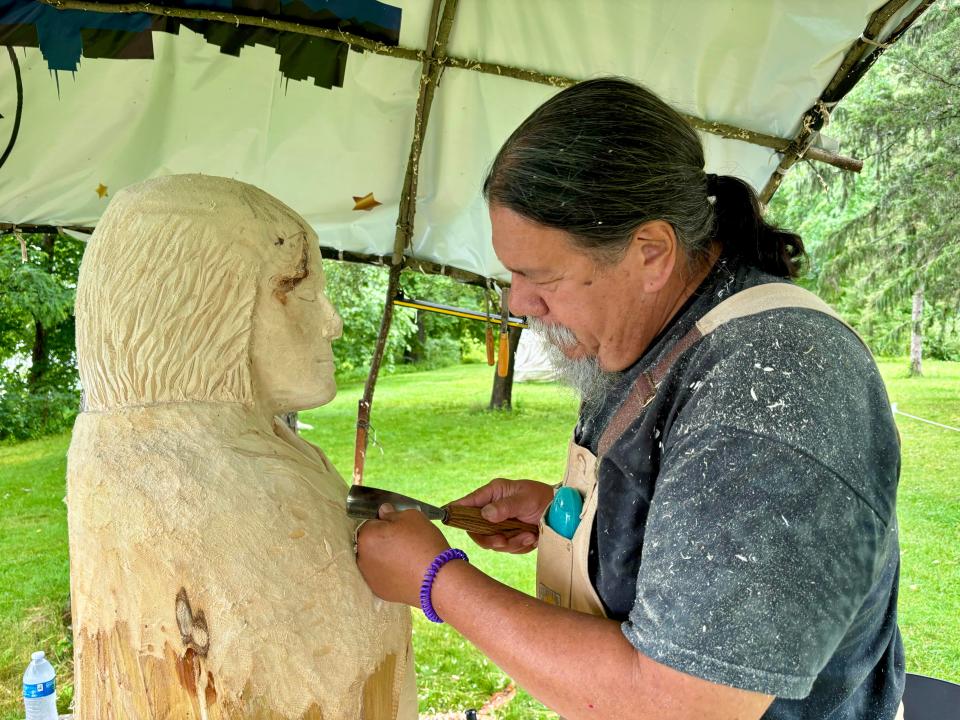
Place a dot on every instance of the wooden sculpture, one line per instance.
(212, 565)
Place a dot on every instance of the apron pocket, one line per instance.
(554, 567)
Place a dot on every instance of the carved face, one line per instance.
(294, 324)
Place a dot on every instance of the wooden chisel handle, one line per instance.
(469, 519)
(503, 360)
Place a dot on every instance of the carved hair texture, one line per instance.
(168, 285)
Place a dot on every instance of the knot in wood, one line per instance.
(192, 625)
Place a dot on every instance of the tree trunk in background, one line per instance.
(290, 420)
(501, 397)
(39, 356)
(916, 339)
(416, 351)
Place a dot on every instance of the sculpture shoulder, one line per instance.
(186, 441)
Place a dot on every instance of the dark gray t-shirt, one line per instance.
(746, 527)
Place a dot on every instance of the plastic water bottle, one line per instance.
(39, 689)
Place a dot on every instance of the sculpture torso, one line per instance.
(212, 564)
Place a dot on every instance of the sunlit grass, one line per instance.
(436, 440)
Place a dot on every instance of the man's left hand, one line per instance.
(394, 552)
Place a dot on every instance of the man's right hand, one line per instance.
(502, 499)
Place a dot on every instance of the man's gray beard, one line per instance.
(582, 374)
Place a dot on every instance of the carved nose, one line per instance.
(335, 326)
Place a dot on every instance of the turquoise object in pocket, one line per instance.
(564, 514)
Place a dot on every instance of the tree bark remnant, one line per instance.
(916, 335)
(39, 355)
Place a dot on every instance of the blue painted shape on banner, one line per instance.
(58, 31)
(64, 36)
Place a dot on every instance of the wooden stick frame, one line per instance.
(441, 23)
(859, 58)
(328, 253)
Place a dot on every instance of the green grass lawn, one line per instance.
(436, 440)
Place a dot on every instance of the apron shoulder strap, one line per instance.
(751, 301)
(760, 298)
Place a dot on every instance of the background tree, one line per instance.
(424, 339)
(39, 393)
(358, 292)
(443, 339)
(884, 244)
(501, 396)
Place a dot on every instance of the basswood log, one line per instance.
(213, 573)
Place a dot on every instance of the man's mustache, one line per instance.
(560, 336)
(583, 374)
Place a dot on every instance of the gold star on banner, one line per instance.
(102, 190)
(368, 202)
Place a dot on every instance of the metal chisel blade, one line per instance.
(364, 502)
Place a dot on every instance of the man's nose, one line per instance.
(524, 298)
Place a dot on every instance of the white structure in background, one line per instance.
(531, 363)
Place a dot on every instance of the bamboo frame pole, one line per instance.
(441, 23)
(724, 130)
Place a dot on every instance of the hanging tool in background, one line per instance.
(486, 308)
(503, 361)
(360, 449)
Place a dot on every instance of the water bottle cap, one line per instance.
(38, 655)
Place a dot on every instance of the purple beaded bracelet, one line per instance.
(438, 562)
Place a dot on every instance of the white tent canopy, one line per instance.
(755, 64)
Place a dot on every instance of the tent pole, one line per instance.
(441, 23)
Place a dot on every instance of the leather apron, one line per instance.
(562, 575)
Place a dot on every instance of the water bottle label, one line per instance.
(38, 690)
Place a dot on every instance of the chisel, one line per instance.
(364, 503)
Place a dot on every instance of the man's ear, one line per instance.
(653, 252)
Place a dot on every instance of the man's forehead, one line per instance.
(524, 246)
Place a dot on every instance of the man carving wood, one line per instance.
(737, 555)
